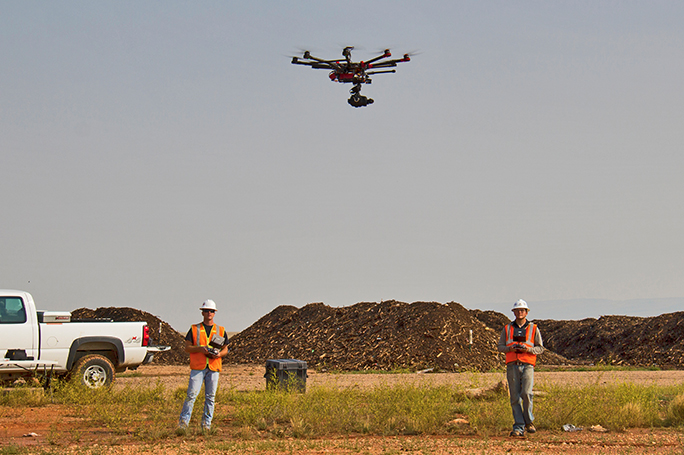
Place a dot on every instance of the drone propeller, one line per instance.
(384, 54)
(350, 46)
(412, 53)
(301, 49)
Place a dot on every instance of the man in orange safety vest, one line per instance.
(206, 344)
(522, 343)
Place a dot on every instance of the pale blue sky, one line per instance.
(156, 154)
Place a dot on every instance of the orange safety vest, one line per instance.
(525, 357)
(199, 361)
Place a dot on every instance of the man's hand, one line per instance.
(209, 353)
(520, 348)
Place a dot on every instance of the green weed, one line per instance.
(23, 397)
(613, 406)
(384, 410)
(675, 410)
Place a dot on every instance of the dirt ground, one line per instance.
(59, 432)
(251, 377)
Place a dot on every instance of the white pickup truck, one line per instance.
(48, 341)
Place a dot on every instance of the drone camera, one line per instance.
(357, 100)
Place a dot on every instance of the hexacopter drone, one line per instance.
(356, 73)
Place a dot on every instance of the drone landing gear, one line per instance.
(357, 99)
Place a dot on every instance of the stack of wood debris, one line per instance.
(620, 340)
(421, 336)
(371, 336)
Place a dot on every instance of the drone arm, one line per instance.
(314, 65)
(375, 59)
(296, 61)
(390, 63)
(387, 64)
(380, 72)
(331, 64)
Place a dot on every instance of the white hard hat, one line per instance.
(521, 304)
(208, 305)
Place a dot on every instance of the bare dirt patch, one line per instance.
(251, 377)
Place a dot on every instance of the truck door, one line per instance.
(16, 330)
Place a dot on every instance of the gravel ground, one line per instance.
(251, 377)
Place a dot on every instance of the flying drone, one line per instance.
(347, 71)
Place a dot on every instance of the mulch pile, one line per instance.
(620, 340)
(370, 336)
(161, 332)
(422, 335)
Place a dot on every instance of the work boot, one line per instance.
(530, 428)
(517, 434)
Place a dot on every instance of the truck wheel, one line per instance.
(93, 371)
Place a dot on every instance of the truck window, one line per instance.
(12, 310)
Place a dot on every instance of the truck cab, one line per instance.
(16, 325)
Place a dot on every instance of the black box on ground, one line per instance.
(286, 374)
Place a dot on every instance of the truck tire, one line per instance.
(93, 371)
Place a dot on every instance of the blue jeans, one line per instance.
(210, 380)
(520, 382)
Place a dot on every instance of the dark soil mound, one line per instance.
(369, 336)
(160, 332)
(620, 340)
(492, 319)
(420, 335)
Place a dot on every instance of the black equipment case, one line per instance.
(286, 374)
